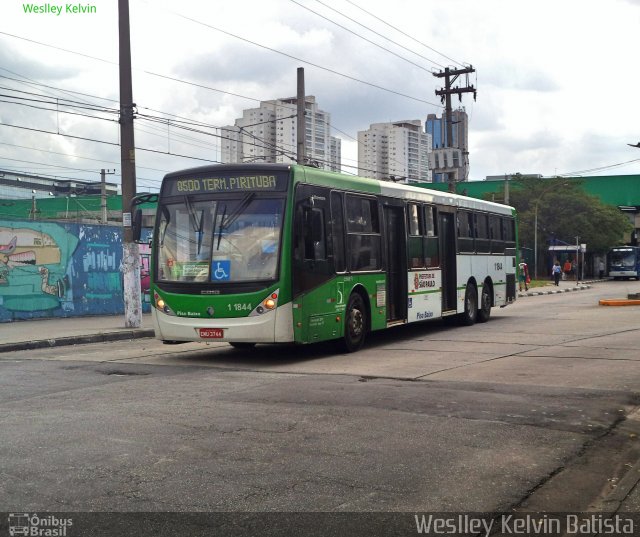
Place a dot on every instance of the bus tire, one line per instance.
(484, 311)
(470, 314)
(241, 345)
(355, 323)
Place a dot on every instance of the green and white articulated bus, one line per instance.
(269, 253)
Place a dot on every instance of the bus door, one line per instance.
(396, 262)
(314, 283)
(447, 228)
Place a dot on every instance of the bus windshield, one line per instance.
(623, 258)
(223, 241)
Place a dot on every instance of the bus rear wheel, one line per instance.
(355, 328)
(484, 312)
(470, 314)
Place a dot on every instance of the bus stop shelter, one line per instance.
(571, 252)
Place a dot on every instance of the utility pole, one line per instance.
(130, 251)
(506, 189)
(34, 209)
(301, 124)
(450, 76)
(103, 193)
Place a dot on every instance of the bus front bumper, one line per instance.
(272, 327)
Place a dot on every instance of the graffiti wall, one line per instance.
(63, 270)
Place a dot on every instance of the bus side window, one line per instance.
(363, 233)
(337, 229)
(415, 228)
(465, 231)
(483, 244)
(315, 247)
(496, 232)
(509, 232)
(431, 248)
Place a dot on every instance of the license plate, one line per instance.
(211, 333)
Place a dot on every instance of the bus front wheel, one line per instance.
(470, 314)
(355, 328)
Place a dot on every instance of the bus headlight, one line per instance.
(161, 304)
(268, 304)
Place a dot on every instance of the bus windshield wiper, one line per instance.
(244, 203)
(227, 221)
(196, 222)
(224, 212)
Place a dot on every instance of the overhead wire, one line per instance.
(235, 37)
(358, 35)
(378, 34)
(207, 87)
(183, 124)
(403, 33)
(108, 143)
(307, 62)
(78, 156)
(609, 166)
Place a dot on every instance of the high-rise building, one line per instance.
(397, 151)
(449, 157)
(269, 134)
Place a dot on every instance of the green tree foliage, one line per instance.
(564, 212)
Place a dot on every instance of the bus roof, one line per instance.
(399, 190)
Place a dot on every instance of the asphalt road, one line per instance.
(534, 410)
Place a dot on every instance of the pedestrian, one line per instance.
(601, 269)
(566, 269)
(556, 271)
(523, 276)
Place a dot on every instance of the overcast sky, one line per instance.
(557, 80)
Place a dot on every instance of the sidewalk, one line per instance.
(564, 287)
(41, 333)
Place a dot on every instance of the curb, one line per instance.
(76, 340)
(554, 291)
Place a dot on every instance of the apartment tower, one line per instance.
(269, 134)
(397, 151)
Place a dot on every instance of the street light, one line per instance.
(535, 227)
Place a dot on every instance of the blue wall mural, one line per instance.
(63, 270)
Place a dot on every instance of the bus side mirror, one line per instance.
(136, 225)
(136, 220)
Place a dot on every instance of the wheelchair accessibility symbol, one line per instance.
(220, 270)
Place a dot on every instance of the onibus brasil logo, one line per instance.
(38, 526)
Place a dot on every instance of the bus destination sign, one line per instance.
(226, 183)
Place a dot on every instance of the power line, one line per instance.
(570, 174)
(305, 61)
(77, 156)
(108, 143)
(404, 33)
(178, 124)
(35, 83)
(222, 91)
(60, 101)
(357, 35)
(54, 109)
(379, 34)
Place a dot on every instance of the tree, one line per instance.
(564, 212)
